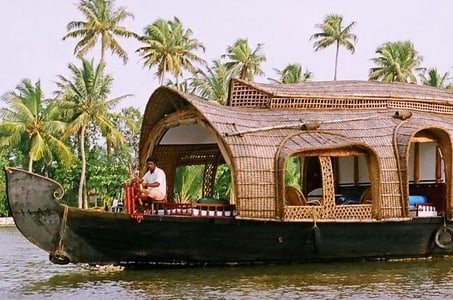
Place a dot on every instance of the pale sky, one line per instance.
(32, 31)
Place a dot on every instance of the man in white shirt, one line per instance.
(154, 180)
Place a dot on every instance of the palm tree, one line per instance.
(183, 86)
(188, 183)
(396, 61)
(245, 61)
(129, 126)
(185, 57)
(30, 122)
(214, 83)
(102, 21)
(170, 48)
(83, 98)
(292, 73)
(434, 78)
(332, 32)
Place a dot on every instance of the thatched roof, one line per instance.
(348, 90)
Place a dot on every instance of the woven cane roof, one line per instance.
(257, 139)
(340, 95)
(350, 89)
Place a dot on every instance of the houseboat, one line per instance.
(320, 171)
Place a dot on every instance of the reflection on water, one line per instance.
(27, 273)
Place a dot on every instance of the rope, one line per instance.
(59, 250)
(315, 233)
(283, 126)
(302, 125)
(314, 214)
(57, 256)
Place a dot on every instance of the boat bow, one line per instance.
(33, 201)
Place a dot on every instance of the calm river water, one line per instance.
(26, 273)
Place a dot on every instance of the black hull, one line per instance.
(86, 236)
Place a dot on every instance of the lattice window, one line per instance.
(209, 179)
(345, 212)
(242, 95)
(316, 103)
(422, 106)
(297, 213)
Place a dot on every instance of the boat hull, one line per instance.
(96, 237)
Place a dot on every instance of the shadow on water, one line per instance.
(402, 279)
(32, 275)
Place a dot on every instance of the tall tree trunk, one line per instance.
(108, 145)
(243, 74)
(85, 195)
(162, 75)
(336, 61)
(102, 49)
(30, 164)
(83, 162)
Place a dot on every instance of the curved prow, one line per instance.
(32, 201)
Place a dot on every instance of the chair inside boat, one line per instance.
(295, 197)
(365, 198)
(151, 206)
(137, 200)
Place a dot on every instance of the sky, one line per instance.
(31, 31)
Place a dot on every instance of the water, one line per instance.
(26, 273)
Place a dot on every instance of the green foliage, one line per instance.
(223, 184)
(128, 123)
(292, 172)
(105, 177)
(214, 83)
(84, 101)
(4, 210)
(292, 73)
(170, 48)
(102, 23)
(68, 177)
(244, 60)
(32, 124)
(184, 86)
(434, 78)
(333, 33)
(188, 183)
(396, 62)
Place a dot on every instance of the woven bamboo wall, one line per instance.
(261, 117)
(255, 174)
